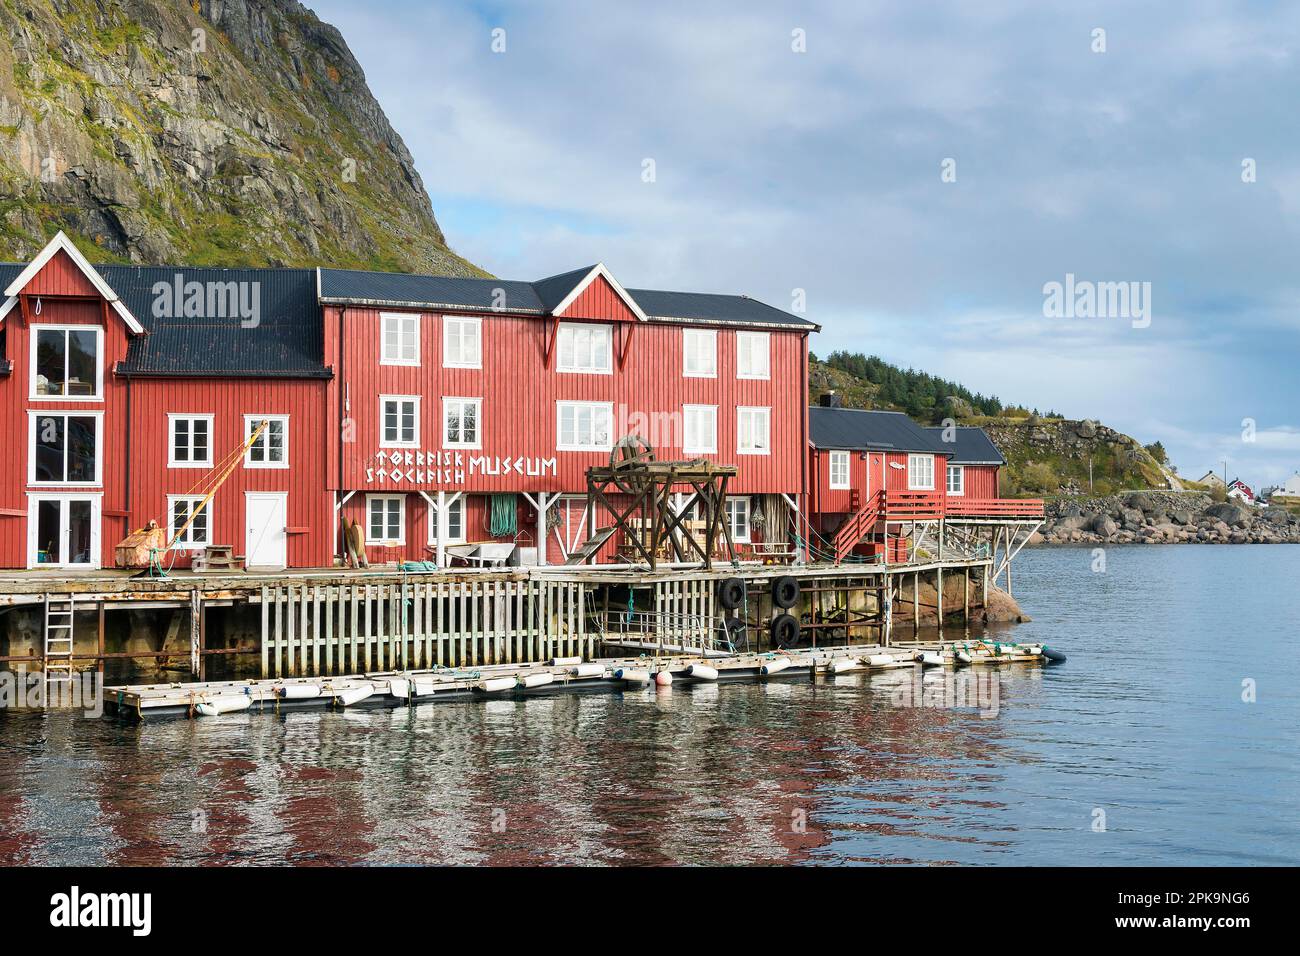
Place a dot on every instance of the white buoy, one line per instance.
(424, 688)
(663, 679)
(702, 672)
(298, 691)
(399, 687)
(928, 659)
(775, 666)
(840, 665)
(536, 680)
(880, 660)
(962, 657)
(632, 675)
(353, 695)
(563, 661)
(227, 704)
(494, 684)
(587, 670)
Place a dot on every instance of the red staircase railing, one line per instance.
(856, 528)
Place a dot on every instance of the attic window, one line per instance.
(65, 362)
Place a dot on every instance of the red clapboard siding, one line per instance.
(60, 276)
(599, 301)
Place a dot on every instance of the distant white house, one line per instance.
(1211, 479)
(1291, 487)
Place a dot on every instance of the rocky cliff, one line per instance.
(213, 132)
(1149, 517)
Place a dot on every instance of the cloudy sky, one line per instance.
(1114, 157)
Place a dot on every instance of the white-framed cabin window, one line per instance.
(386, 519)
(584, 426)
(271, 449)
(399, 421)
(956, 480)
(699, 353)
(462, 341)
(585, 348)
(453, 521)
(753, 431)
(462, 422)
(839, 469)
(399, 338)
(179, 510)
(920, 472)
(753, 355)
(67, 363)
(700, 429)
(738, 519)
(65, 448)
(189, 441)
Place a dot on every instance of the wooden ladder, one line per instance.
(588, 548)
(59, 613)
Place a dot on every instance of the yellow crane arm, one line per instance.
(230, 466)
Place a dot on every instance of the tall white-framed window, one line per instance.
(753, 355)
(920, 472)
(753, 430)
(462, 421)
(189, 441)
(956, 480)
(839, 469)
(271, 450)
(179, 510)
(462, 341)
(584, 347)
(584, 426)
(699, 353)
(453, 522)
(399, 421)
(699, 429)
(738, 519)
(65, 448)
(399, 338)
(67, 363)
(385, 519)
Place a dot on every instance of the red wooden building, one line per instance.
(440, 413)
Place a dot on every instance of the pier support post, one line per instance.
(916, 605)
(196, 612)
(938, 590)
(965, 611)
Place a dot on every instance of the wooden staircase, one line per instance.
(59, 611)
(587, 550)
(858, 526)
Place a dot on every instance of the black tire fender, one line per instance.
(731, 593)
(785, 592)
(785, 630)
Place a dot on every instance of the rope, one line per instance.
(504, 516)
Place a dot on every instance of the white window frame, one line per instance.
(741, 412)
(560, 406)
(172, 419)
(96, 527)
(439, 517)
(913, 465)
(570, 330)
(250, 422)
(732, 502)
(401, 519)
(463, 321)
(33, 416)
(960, 472)
(840, 460)
(99, 361)
(699, 335)
(188, 543)
(383, 415)
(402, 318)
(478, 422)
(700, 448)
(755, 338)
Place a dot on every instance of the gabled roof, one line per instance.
(971, 446)
(61, 243)
(544, 297)
(856, 429)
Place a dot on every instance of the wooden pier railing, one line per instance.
(995, 507)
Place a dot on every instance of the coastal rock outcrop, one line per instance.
(1164, 517)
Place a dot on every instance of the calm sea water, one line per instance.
(1139, 750)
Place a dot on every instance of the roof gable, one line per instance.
(62, 244)
(584, 299)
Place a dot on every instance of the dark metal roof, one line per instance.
(971, 446)
(869, 430)
(396, 290)
(287, 340)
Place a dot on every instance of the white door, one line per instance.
(63, 531)
(265, 541)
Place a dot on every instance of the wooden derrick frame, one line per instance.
(650, 486)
